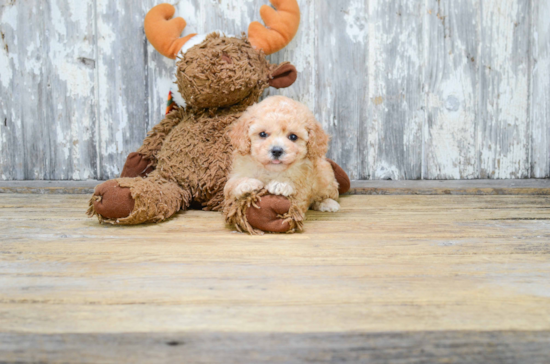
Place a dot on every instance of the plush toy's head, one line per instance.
(215, 70)
(223, 71)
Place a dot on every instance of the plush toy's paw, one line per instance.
(247, 186)
(265, 217)
(113, 201)
(136, 166)
(280, 188)
(342, 178)
(328, 205)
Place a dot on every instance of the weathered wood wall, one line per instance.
(409, 89)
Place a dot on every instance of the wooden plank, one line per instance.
(342, 77)
(70, 70)
(46, 187)
(452, 187)
(395, 90)
(364, 284)
(44, 133)
(374, 187)
(540, 99)
(408, 236)
(13, 159)
(458, 347)
(452, 83)
(503, 131)
(123, 97)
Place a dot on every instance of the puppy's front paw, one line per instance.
(328, 205)
(280, 188)
(247, 186)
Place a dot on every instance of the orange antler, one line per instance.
(163, 32)
(282, 25)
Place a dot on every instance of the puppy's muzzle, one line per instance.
(276, 152)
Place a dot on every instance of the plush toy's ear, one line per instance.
(239, 134)
(283, 76)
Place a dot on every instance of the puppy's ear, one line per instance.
(239, 134)
(317, 143)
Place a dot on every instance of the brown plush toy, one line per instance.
(186, 158)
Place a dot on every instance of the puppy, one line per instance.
(278, 145)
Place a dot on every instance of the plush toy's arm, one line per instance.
(155, 138)
(144, 161)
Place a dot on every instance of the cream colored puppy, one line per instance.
(278, 145)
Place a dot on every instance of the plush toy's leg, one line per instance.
(111, 202)
(130, 201)
(259, 212)
(275, 214)
(136, 166)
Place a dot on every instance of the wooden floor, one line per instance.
(398, 279)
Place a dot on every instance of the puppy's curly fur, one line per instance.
(280, 147)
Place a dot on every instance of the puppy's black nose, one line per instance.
(277, 151)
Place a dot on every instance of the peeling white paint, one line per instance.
(58, 20)
(232, 10)
(121, 127)
(356, 21)
(187, 11)
(62, 138)
(9, 18)
(78, 79)
(540, 99)
(386, 171)
(504, 135)
(6, 69)
(78, 12)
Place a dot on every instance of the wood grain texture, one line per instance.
(457, 347)
(48, 107)
(123, 93)
(450, 89)
(450, 276)
(452, 85)
(395, 90)
(362, 187)
(540, 90)
(342, 80)
(452, 187)
(503, 130)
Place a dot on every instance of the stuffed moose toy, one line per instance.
(185, 159)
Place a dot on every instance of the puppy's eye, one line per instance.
(263, 134)
(293, 137)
